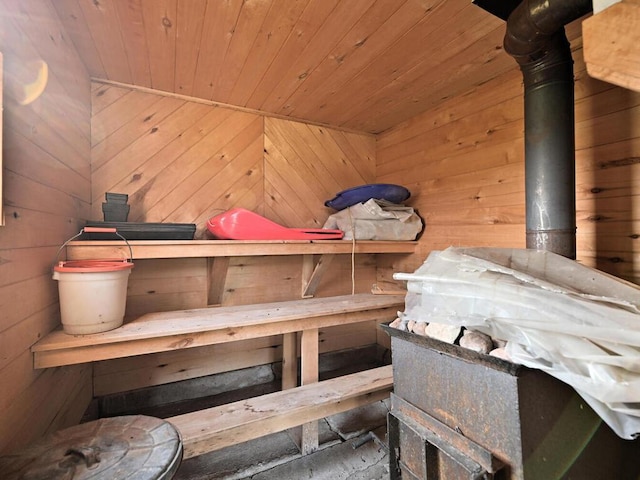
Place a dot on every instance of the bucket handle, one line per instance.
(95, 230)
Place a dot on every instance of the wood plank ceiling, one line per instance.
(363, 65)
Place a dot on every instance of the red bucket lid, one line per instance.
(92, 266)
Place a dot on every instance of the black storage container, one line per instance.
(142, 231)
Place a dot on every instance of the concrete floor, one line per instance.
(352, 446)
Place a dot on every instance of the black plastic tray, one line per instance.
(142, 231)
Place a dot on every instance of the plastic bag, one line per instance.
(376, 220)
(576, 323)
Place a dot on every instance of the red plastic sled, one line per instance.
(241, 224)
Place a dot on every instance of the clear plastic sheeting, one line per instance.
(576, 323)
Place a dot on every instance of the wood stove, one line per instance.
(457, 414)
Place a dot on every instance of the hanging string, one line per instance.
(353, 253)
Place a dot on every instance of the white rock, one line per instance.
(499, 343)
(396, 323)
(410, 325)
(419, 328)
(443, 332)
(500, 353)
(476, 341)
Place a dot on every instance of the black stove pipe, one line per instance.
(535, 38)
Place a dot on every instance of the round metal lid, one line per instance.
(127, 447)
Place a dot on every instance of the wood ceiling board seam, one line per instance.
(338, 59)
(106, 35)
(311, 20)
(460, 78)
(72, 17)
(130, 14)
(345, 15)
(188, 36)
(218, 23)
(447, 45)
(390, 61)
(375, 44)
(250, 21)
(274, 33)
(159, 20)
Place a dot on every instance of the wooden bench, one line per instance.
(218, 427)
(167, 331)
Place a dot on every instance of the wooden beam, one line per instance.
(610, 44)
(91, 249)
(218, 427)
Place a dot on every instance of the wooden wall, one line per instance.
(464, 163)
(46, 176)
(184, 161)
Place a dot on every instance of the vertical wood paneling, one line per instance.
(218, 28)
(106, 36)
(159, 19)
(47, 195)
(130, 16)
(188, 34)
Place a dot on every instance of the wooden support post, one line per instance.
(289, 360)
(216, 277)
(309, 374)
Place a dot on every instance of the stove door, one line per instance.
(422, 448)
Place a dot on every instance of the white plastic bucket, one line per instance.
(93, 294)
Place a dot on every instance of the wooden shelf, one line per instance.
(147, 249)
